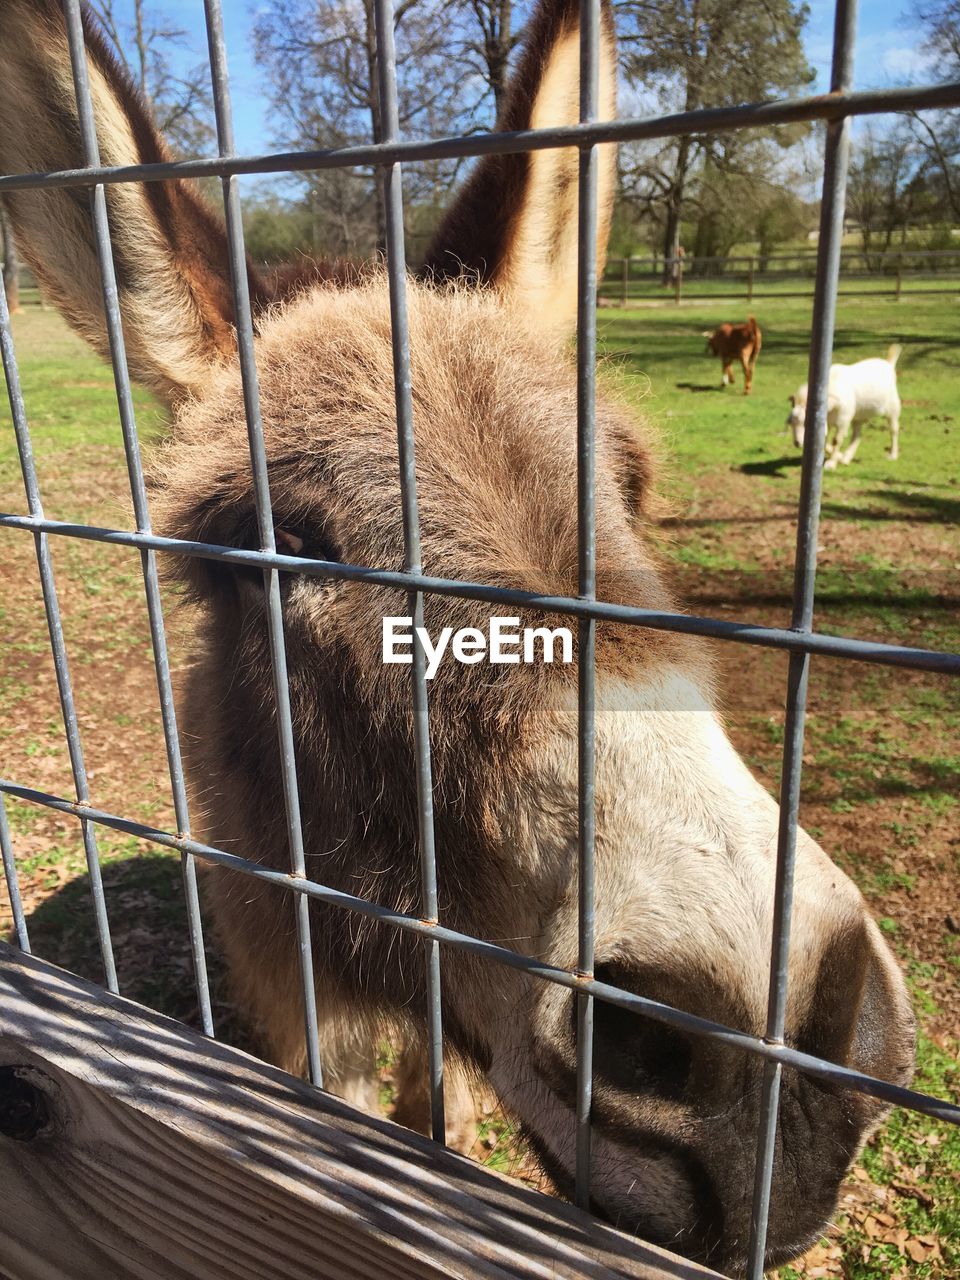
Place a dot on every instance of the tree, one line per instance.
(780, 216)
(489, 41)
(884, 180)
(940, 22)
(321, 59)
(938, 135)
(277, 231)
(690, 55)
(181, 102)
(453, 59)
(724, 215)
(11, 262)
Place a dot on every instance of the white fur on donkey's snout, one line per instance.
(677, 809)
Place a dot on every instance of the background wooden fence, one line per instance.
(651, 278)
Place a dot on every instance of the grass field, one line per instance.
(882, 763)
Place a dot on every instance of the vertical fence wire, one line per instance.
(13, 884)
(587, 582)
(261, 486)
(400, 339)
(138, 493)
(836, 159)
(51, 605)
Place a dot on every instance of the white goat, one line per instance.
(855, 393)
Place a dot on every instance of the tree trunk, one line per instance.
(674, 211)
(376, 121)
(143, 52)
(671, 237)
(498, 42)
(11, 263)
(671, 240)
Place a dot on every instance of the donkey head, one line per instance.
(686, 837)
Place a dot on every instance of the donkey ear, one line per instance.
(169, 251)
(514, 224)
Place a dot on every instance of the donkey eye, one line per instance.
(636, 1054)
(302, 540)
(288, 542)
(292, 538)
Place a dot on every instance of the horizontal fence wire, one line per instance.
(883, 653)
(819, 1068)
(800, 641)
(707, 121)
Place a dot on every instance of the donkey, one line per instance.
(686, 836)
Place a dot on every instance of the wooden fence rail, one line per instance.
(652, 278)
(130, 1146)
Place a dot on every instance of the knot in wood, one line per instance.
(24, 1107)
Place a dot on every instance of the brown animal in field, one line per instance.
(686, 835)
(736, 342)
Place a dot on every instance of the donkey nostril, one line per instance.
(634, 1053)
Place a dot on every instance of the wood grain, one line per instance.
(133, 1147)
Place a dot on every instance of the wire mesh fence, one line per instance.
(800, 640)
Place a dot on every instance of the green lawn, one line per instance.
(882, 763)
(661, 352)
(72, 409)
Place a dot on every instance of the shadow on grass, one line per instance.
(907, 508)
(148, 927)
(924, 777)
(786, 516)
(777, 467)
(886, 604)
(838, 608)
(699, 386)
(922, 506)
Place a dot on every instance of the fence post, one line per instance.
(899, 276)
(623, 286)
(679, 281)
(750, 280)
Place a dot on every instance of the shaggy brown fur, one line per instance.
(331, 437)
(685, 836)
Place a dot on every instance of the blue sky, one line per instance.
(886, 53)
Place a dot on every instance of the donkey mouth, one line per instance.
(734, 1261)
(708, 1240)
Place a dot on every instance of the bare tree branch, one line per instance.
(146, 47)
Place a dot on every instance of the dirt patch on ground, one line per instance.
(874, 815)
